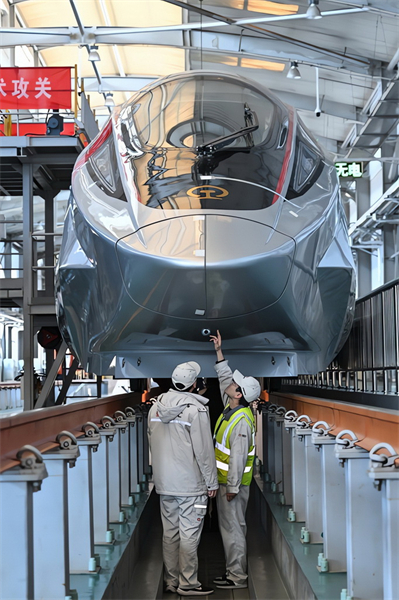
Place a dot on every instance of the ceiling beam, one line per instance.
(257, 47)
(252, 24)
(223, 20)
(299, 101)
(225, 42)
(381, 6)
(172, 36)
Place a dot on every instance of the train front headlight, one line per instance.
(101, 163)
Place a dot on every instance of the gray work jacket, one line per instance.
(240, 437)
(182, 452)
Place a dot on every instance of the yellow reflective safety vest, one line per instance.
(223, 431)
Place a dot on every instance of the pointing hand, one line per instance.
(217, 340)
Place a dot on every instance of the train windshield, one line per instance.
(194, 111)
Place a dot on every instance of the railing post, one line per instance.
(129, 457)
(80, 497)
(133, 463)
(314, 517)
(51, 540)
(114, 473)
(298, 472)
(287, 466)
(363, 521)
(265, 444)
(333, 499)
(385, 475)
(271, 471)
(16, 514)
(278, 449)
(102, 533)
(140, 440)
(121, 417)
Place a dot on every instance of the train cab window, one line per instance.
(190, 111)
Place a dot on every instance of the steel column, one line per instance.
(390, 519)
(287, 467)
(298, 476)
(115, 476)
(124, 472)
(264, 439)
(389, 237)
(140, 438)
(27, 227)
(100, 465)
(386, 479)
(49, 242)
(51, 540)
(80, 501)
(146, 447)
(363, 522)
(298, 459)
(278, 451)
(16, 514)
(134, 478)
(259, 435)
(271, 470)
(314, 514)
(333, 501)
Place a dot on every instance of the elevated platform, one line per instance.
(52, 158)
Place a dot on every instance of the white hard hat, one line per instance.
(185, 374)
(250, 386)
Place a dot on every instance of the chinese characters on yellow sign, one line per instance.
(349, 169)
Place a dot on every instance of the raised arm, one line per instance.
(217, 342)
(224, 373)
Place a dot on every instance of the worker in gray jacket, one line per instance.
(184, 472)
(234, 439)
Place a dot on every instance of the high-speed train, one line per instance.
(203, 204)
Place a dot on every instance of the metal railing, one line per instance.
(93, 505)
(369, 360)
(41, 280)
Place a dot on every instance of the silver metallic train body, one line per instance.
(204, 204)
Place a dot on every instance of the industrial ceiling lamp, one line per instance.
(109, 100)
(313, 11)
(293, 71)
(93, 54)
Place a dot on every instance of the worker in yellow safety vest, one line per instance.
(234, 440)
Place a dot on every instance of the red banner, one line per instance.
(35, 87)
(36, 129)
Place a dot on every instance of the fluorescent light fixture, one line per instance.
(93, 54)
(253, 63)
(246, 63)
(313, 11)
(109, 100)
(264, 6)
(293, 71)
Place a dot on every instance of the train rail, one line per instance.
(328, 471)
(335, 467)
(57, 530)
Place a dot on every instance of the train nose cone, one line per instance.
(210, 266)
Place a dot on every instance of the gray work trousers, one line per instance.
(182, 520)
(233, 529)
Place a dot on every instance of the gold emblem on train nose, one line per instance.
(207, 192)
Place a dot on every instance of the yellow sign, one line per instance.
(207, 192)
